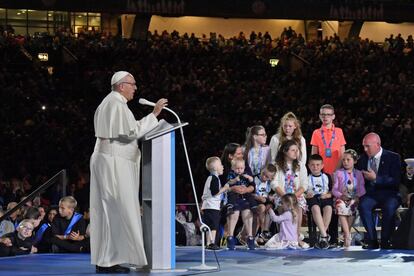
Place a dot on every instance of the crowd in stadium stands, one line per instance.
(220, 86)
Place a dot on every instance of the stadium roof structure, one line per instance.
(363, 10)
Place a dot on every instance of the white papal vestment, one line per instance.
(116, 231)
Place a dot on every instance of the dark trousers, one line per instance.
(333, 228)
(5, 250)
(388, 202)
(65, 246)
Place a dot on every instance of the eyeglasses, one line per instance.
(28, 228)
(130, 83)
(326, 114)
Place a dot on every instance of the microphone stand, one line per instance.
(204, 227)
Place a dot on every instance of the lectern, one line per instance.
(158, 195)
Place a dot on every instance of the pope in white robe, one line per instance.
(116, 231)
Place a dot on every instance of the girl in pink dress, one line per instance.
(348, 187)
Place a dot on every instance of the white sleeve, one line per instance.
(145, 125)
(303, 152)
(274, 146)
(303, 178)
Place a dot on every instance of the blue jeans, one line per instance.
(388, 201)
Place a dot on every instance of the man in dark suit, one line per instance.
(382, 173)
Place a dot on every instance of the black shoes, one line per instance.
(116, 269)
(213, 247)
(371, 245)
(323, 242)
(386, 245)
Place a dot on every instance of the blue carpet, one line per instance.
(236, 263)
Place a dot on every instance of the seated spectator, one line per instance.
(42, 211)
(43, 233)
(69, 228)
(19, 242)
(241, 200)
(291, 178)
(382, 172)
(256, 152)
(238, 177)
(403, 238)
(5, 226)
(264, 198)
(348, 188)
(10, 224)
(33, 215)
(407, 183)
(319, 198)
(51, 214)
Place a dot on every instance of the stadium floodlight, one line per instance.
(273, 62)
(43, 56)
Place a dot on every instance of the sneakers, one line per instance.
(260, 240)
(251, 243)
(323, 242)
(213, 246)
(303, 245)
(223, 241)
(265, 235)
(231, 243)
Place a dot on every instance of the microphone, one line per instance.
(146, 102)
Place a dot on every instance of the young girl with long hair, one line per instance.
(289, 129)
(349, 186)
(291, 178)
(256, 152)
(288, 234)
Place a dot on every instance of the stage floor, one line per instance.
(240, 262)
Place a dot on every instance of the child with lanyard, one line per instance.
(319, 198)
(256, 152)
(291, 178)
(328, 141)
(349, 186)
(264, 198)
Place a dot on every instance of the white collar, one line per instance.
(120, 96)
(378, 155)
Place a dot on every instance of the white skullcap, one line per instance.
(410, 162)
(119, 76)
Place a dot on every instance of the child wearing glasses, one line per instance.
(256, 152)
(19, 242)
(349, 186)
(328, 140)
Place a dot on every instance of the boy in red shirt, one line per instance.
(328, 141)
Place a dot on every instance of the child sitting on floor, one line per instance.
(288, 234)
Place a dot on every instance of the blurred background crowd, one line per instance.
(220, 86)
